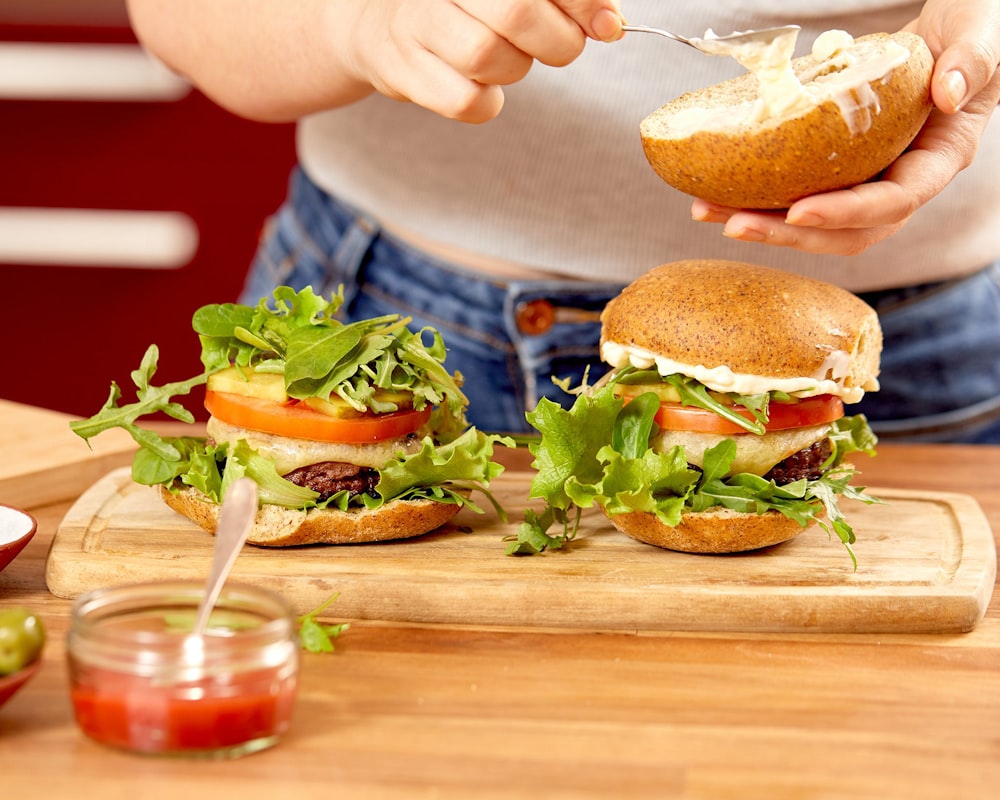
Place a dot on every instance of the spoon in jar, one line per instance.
(239, 508)
(708, 44)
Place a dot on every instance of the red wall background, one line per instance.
(71, 330)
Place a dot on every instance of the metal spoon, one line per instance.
(239, 507)
(764, 36)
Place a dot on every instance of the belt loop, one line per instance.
(348, 258)
(517, 293)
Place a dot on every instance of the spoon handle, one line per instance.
(658, 32)
(239, 508)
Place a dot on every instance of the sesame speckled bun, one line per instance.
(719, 530)
(752, 319)
(831, 144)
(276, 526)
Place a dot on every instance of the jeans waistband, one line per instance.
(884, 300)
(511, 337)
(346, 235)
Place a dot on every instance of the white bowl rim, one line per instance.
(15, 524)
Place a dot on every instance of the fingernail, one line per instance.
(807, 220)
(745, 234)
(955, 88)
(607, 25)
(703, 212)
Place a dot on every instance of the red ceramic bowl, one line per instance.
(9, 684)
(16, 529)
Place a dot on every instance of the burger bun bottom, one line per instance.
(715, 531)
(276, 526)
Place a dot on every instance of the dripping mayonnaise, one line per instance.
(830, 377)
(843, 75)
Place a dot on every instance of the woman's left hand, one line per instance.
(964, 37)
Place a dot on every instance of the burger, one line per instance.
(353, 432)
(720, 426)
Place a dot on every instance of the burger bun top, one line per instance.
(745, 328)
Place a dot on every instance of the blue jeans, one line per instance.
(507, 338)
(940, 378)
(510, 338)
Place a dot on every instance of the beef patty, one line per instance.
(807, 463)
(330, 477)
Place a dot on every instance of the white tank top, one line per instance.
(559, 182)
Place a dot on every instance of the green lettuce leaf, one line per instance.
(571, 439)
(445, 473)
(301, 338)
(597, 452)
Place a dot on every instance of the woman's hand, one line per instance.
(453, 56)
(280, 61)
(964, 36)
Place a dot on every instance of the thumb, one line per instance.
(599, 19)
(966, 58)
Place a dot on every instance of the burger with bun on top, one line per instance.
(720, 427)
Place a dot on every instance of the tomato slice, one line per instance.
(298, 421)
(782, 416)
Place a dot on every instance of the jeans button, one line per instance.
(535, 316)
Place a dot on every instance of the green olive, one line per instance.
(21, 639)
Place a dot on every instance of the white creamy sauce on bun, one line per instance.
(843, 76)
(829, 42)
(830, 378)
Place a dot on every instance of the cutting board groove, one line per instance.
(927, 562)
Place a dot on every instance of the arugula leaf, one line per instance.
(634, 425)
(418, 359)
(151, 399)
(717, 460)
(319, 358)
(167, 460)
(532, 534)
(696, 394)
(315, 636)
(693, 393)
(318, 355)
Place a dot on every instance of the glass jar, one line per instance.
(140, 681)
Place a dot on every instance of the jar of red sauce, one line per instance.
(139, 680)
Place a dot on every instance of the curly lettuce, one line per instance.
(598, 453)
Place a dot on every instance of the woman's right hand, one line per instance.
(280, 61)
(453, 56)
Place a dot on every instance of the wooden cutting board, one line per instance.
(927, 562)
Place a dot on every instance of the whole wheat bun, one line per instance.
(754, 320)
(718, 530)
(284, 527)
(774, 162)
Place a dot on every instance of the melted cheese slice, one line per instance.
(754, 454)
(289, 454)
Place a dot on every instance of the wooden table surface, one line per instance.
(408, 711)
